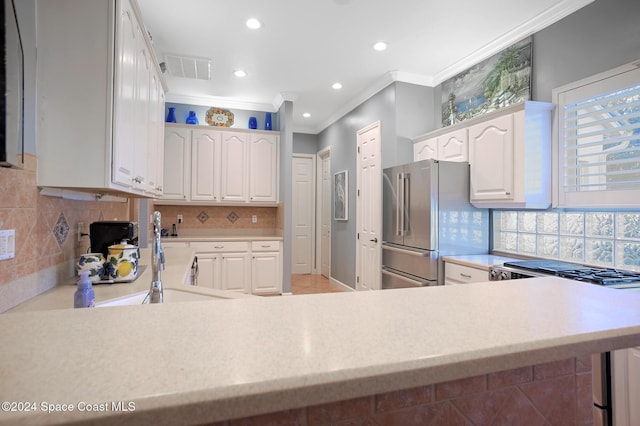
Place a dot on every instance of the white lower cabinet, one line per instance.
(247, 267)
(460, 274)
(266, 267)
(626, 387)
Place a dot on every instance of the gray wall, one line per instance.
(596, 38)
(305, 143)
(285, 115)
(601, 36)
(404, 111)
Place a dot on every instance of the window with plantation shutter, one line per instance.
(598, 141)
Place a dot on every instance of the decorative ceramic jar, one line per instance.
(122, 262)
(92, 262)
(171, 117)
(192, 118)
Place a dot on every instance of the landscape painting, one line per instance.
(499, 81)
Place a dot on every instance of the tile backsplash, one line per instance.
(608, 238)
(219, 217)
(46, 230)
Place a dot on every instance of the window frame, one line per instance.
(602, 83)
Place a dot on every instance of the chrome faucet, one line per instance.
(157, 263)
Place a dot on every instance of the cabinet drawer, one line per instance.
(265, 245)
(219, 246)
(464, 274)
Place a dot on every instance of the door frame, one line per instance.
(313, 232)
(321, 155)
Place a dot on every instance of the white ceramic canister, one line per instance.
(92, 262)
(122, 261)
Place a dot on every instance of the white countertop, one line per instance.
(177, 268)
(207, 361)
(217, 234)
(479, 261)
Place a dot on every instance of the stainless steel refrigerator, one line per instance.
(427, 215)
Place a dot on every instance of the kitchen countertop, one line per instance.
(478, 261)
(189, 363)
(194, 234)
(177, 268)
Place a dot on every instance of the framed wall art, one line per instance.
(340, 195)
(497, 82)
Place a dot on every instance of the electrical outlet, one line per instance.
(254, 219)
(80, 230)
(179, 218)
(7, 244)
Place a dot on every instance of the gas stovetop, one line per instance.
(602, 276)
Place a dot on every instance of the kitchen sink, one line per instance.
(170, 295)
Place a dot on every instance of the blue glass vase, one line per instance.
(253, 123)
(171, 117)
(267, 121)
(192, 118)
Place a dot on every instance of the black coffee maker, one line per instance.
(106, 233)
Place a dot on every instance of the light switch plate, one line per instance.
(7, 244)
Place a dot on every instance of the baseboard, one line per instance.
(340, 284)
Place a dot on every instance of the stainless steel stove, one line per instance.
(609, 277)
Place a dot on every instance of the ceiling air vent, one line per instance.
(188, 66)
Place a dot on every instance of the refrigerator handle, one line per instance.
(405, 210)
(399, 204)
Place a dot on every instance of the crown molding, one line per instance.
(543, 20)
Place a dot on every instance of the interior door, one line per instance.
(325, 213)
(369, 208)
(303, 215)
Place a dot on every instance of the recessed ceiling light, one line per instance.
(253, 23)
(240, 73)
(306, 115)
(380, 46)
(337, 86)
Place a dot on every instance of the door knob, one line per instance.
(375, 240)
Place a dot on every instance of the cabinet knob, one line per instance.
(464, 275)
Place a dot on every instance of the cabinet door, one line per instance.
(459, 274)
(155, 142)
(425, 150)
(265, 272)
(143, 85)
(176, 163)
(454, 146)
(263, 168)
(634, 385)
(124, 128)
(234, 271)
(208, 270)
(234, 178)
(491, 158)
(205, 153)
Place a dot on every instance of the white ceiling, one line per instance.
(304, 46)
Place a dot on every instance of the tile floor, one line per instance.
(312, 284)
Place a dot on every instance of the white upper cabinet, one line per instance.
(263, 168)
(207, 165)
(426, 149)
(510, 157)
(444, 145)
(235, 173)
(492, 158)
(177, 163)
(96, 105)
(205, 160)
(454, 146)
